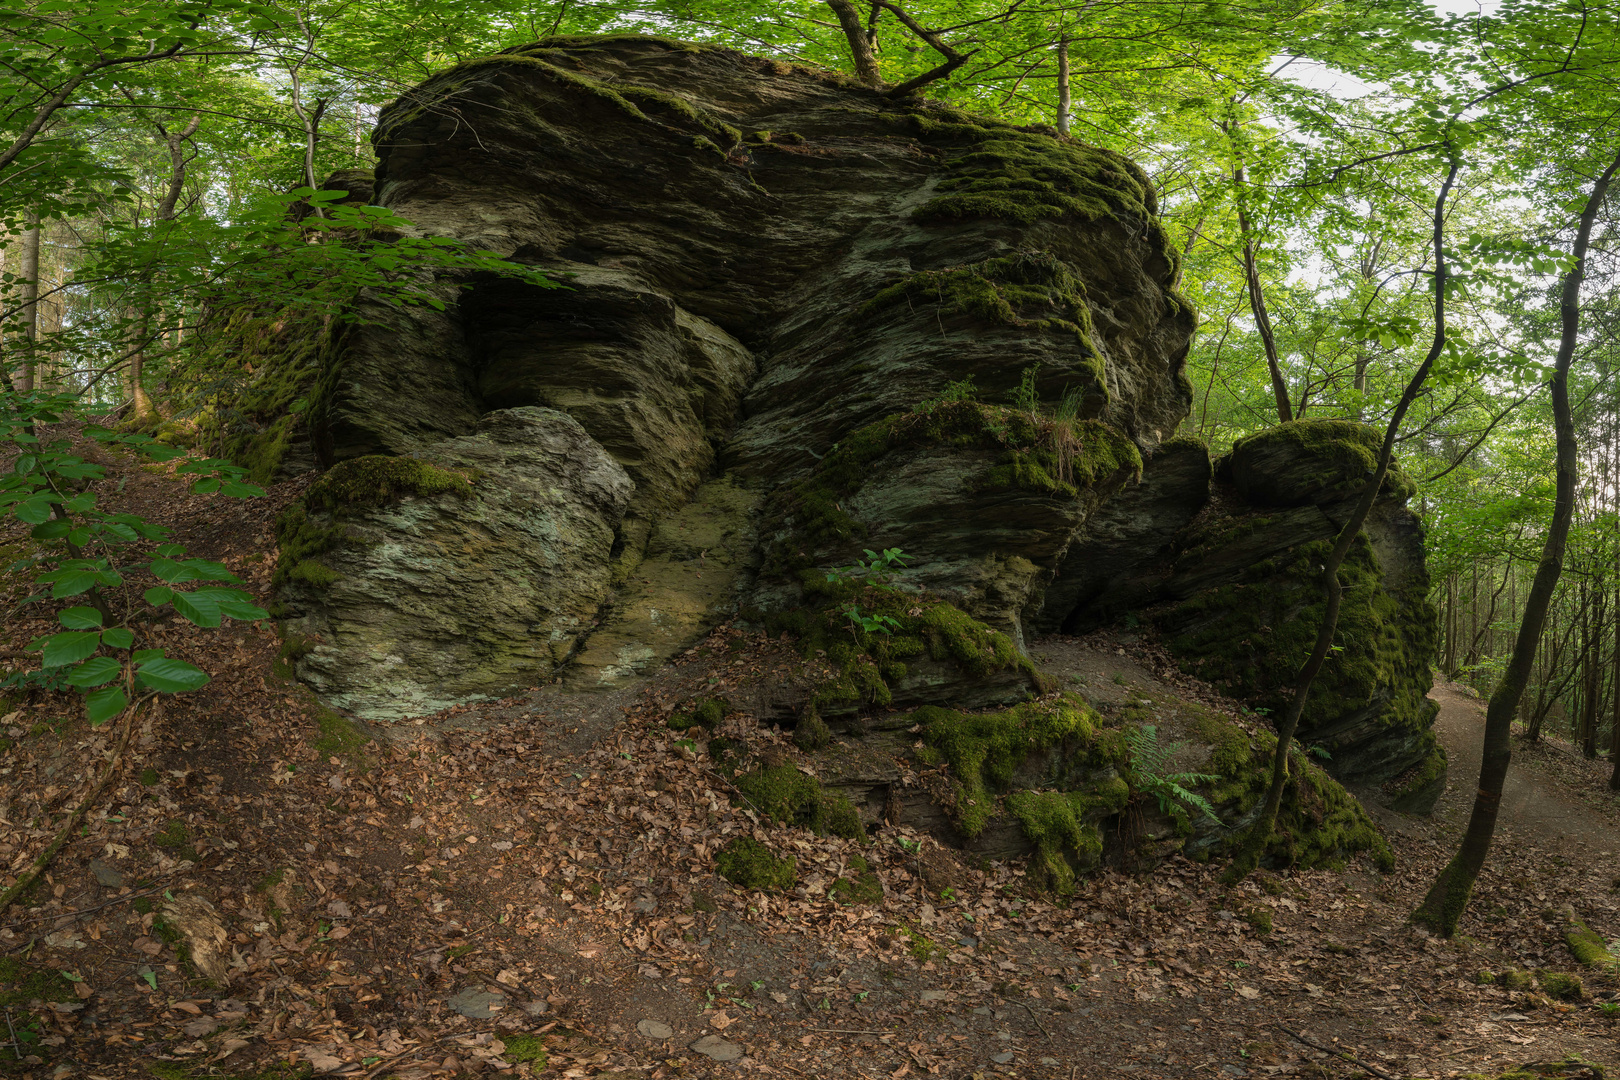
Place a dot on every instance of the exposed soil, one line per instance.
(548, 862)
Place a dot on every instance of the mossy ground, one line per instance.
(789, 797)
(705, 713)
(861, 886)
(750, 864)
(340, 737)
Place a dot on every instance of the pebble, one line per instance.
(982, 1010)
(713, 1046)
(1050, 1061)
(1002, 1059)
(654, 1029)
(936, 995)
(106, 876)
(645, 904)
(476, 1004)
(968, 942)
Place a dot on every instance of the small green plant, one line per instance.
(877, 569)
(1025, 398)
(870, 624)
(1319, 751)
(1119, 679)
(1148, 759)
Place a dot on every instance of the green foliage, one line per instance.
(750, 864)
(1149, 759)
(378, 480)
(1562, 986)
(83, 550)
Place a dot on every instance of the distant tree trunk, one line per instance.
(1063, 85)
(30, 302)
(860, 46)
(1443, 907)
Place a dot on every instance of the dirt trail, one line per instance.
(1534, 808)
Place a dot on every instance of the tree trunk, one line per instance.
(1443, 908)
(1063, 85)
(1262, 317)
(860, 46)
(30, 302)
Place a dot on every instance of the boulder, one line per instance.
(1229, 571)
(473, 567)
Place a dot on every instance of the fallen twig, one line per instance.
(848, 1031)
(85, 911)
(1033, 1017)
(1351, 1058)
(31, 875)
(375, 1069)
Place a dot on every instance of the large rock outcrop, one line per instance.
(797, 321)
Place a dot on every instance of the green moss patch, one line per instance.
(986, 750)
(705, 714)
(1045, 454)
(372, 480)
(176, 839)
(1562, 986)
(1318, 823)
(863, 886)
(530, 1048)
(750, 864)
(1056, 823)
(1024, 175)
(1589, 948)
(378, 479)
(21, 984)
(339, 737)
(790, 797)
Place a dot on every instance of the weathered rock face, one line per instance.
(759, 263)
(799, 320)
(1228, 566)
(420, 582)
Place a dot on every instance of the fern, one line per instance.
(1148, 761)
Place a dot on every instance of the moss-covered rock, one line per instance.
(1311, 461)
(789, 797)
(747, 862)
(1588, 947)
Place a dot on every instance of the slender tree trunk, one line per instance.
(1443, 908)
(1063, 85)
(860, 46)
(30, 303)
(1262, 317)
(1255, 842)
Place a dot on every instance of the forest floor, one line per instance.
(528, 888)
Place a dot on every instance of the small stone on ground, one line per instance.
(476, 1004)
(654, 1029)
(713, 1046)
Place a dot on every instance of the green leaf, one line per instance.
(79, 618)
(52, 530)
(142, 655)
(206, 486)
(24, 464)
(103, 705)
(96, 671)
(35, 511)
(158, 595)
(171, 676)
(169, 570)
(118, 637)
(201, 610)
(69, 647)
